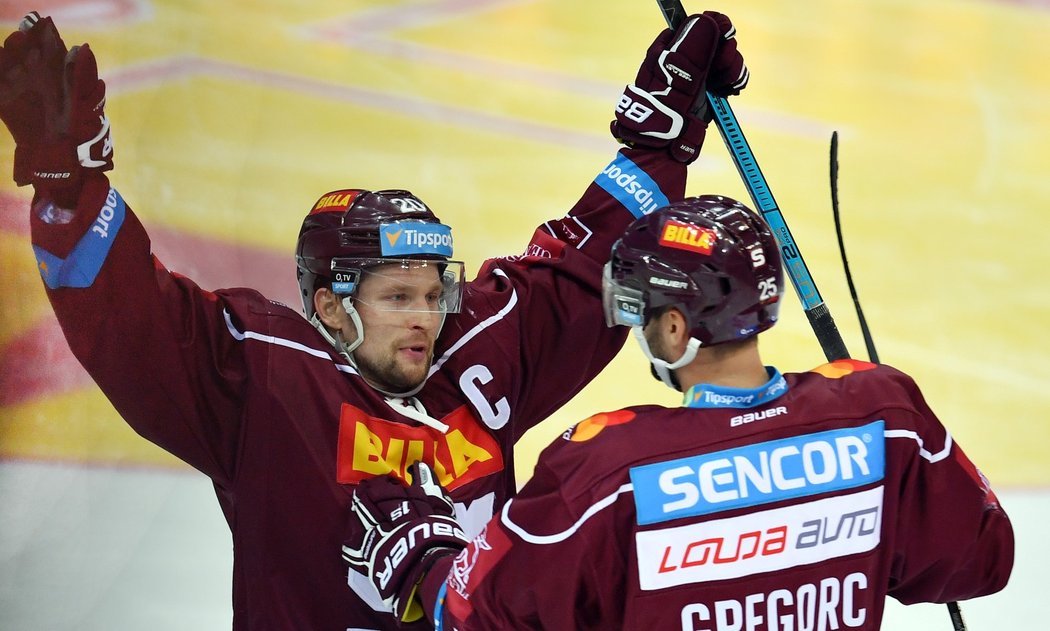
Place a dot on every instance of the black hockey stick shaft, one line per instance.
(833, 170)
(805, 287)
(953, 607)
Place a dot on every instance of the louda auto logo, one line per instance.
(766, 541)
(370, 446)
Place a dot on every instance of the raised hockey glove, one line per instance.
(666, 106)
(52, 102)
(406, 529)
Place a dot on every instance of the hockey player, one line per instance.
(398, 359)
(767, 501)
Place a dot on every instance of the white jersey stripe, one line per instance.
(937, 457)
(481, 326)
(278, 341)
(558, 537)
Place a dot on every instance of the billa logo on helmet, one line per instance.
(339, 200)
(685, 236)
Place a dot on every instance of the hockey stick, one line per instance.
(833, 170)
(816, 311)
(953, 607)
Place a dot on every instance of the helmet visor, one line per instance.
(400, 284)
(624, 306)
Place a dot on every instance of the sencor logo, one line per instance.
(684, 236)
(757, 474)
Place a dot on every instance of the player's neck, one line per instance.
(733, 366)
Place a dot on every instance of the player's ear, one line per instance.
(327, 306)
(676, 329)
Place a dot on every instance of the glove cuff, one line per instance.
(407, 606)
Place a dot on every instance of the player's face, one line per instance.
(400, 316)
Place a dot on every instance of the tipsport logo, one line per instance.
(762, 473)
(406, 238)
(631, 186)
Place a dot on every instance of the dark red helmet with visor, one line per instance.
(711, 257)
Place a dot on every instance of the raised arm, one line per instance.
(556, 284)
(150, 339)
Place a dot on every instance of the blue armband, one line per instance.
(631, 186)
(83, 264)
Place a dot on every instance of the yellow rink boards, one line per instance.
(231, 118)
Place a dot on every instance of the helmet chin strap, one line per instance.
(662, 369)
(336, 338)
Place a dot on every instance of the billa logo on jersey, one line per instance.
(688, 237)
(370, 447)
(337, 200)
(406, 238)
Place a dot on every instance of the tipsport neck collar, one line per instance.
(706, 395)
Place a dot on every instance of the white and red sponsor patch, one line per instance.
(765, 541)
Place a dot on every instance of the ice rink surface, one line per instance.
(230, 119)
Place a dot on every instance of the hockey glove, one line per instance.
(406, 529)
(666, 106)
(52, 102)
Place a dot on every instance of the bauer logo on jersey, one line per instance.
(631, 186)
(685, 236)
(406, 238)
(751, 475)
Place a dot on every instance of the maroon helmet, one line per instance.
(711, 257)
(350, 230)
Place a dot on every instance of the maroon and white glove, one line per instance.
(406, 529)
(666, 106)
(52, 102)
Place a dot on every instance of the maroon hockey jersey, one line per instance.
(249, 393)
(798, 505)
